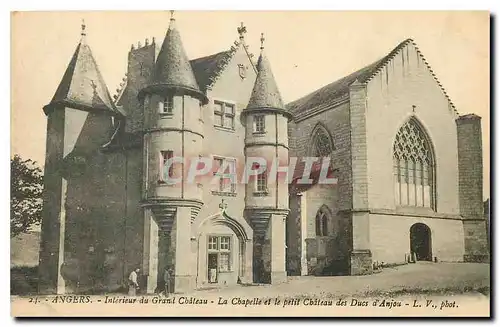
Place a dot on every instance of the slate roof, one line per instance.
(314, 174)
(333, 92)
(265, 93)
(82, 85)
(207, 68)
(172, 66)
(329, 94)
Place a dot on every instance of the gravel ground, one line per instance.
(419, 278)
(452, 289)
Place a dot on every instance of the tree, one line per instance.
(25, 195)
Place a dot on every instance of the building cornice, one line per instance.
(172, 129)
(405, 212)
(273, 144)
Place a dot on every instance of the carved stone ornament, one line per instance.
(242, 70)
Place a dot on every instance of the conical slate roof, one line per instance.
(172, 67)
(265, 92)
(82, 85)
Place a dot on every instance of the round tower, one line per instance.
(173, 136)
(266, 201)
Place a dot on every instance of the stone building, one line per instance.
(408, 169)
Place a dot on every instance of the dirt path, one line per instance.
(414, 278)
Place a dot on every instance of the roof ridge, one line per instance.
(221, 65)
(208, 56)
(119, 91)
(455, 111)
(208, 69)
(387, 58)
(396, 51)
(99, 75)
(250, 57)
(373, 70)
(223, 62)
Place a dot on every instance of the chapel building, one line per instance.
(408, 170)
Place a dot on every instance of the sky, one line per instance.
(307, 50)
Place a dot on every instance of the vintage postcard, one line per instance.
(218, 163)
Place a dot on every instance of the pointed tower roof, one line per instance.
(172, 69)
(265, 94)
(82, 85)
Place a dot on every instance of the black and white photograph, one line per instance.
(250, 163)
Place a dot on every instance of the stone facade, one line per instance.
(377, 101)
(470, 188)
(108, 211)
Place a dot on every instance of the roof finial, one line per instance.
(83, 33)
(172, 20)
(241, 31)
(262, 39)
(223, 206)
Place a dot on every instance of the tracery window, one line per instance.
(413, 167)
(322, 145)
(322, 217)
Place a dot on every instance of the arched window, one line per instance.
(413, 167)
(322, 219)
(322, 144)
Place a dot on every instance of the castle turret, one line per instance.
(79, 121)
(82, 86)
(173, 132)
(266, 201)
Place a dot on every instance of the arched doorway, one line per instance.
(223, 251)
(421, 242)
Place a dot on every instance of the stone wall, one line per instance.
(336, 197)
(140, 66)
(84, 208)
(390, 237)
(336, 120)
(470, 172)
(406, 88)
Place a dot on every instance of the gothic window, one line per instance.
(413, 167)
(322, 145)
(322, 217)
